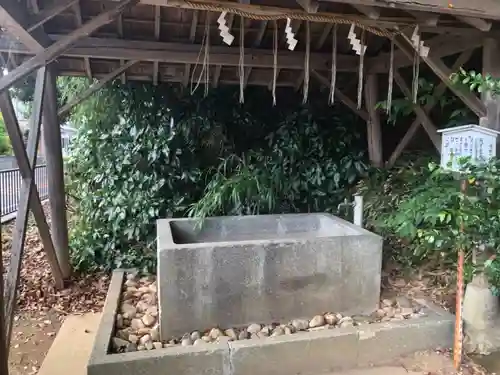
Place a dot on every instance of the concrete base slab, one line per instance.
(379, 371)
(70, 352)
(305, 353)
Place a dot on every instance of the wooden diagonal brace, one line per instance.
(94, 87)
(440, 89)
(444, 73)
(56, 49)
(26, 159)
(343, 98)
(429, 127)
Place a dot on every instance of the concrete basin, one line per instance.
(231, 271)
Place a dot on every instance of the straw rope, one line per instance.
(292, 15)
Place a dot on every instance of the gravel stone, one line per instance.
(300, 324)
(317, 321)
(254, 328)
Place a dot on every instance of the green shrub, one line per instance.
(145, 152)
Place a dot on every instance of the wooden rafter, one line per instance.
(119, 27)
(326, 31)
(79, 21)
(157, 37)
(310, 6)
(444, 73)
(256, 44)
(478, 23)
(192, 38)
(218, 68)
(57, 48)
(428, 19)
(369, 11)
(94, 87)
(49, 13)
(440, 89)
(343, 98)
(29, 196)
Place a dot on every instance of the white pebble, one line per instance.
(254, 328)
(317, 321)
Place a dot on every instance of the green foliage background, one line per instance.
(145, 152)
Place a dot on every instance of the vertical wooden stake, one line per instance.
(55, 174)
(458, 342)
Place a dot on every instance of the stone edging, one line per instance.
(308, 353)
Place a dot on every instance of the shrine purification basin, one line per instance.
(230, 271)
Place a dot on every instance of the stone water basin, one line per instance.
(231, 271)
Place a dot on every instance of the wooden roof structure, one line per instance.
(169, 41)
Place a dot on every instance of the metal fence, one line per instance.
(10, 187)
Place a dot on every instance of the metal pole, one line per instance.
(358, 210)
(55, 174)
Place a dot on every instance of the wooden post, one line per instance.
(4, 354)
(55, 173)
(491, 56)
(373, 124)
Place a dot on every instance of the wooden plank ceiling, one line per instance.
(165, 37)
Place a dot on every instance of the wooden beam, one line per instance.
(65, 109)
(26, 158)
(157, 37)
(440, 46)
(438, 92)
(56, 49)
(326, 31)
(489, 9)
(55, 174)
(343, 98)
(118, 49)
(370, 12)
(79, 21)
(444, 73)
(374, 131)
(310, 6)
(50, 12)
(478, 23)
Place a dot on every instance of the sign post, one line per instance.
(478, 144)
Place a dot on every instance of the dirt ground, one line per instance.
(32, 337)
